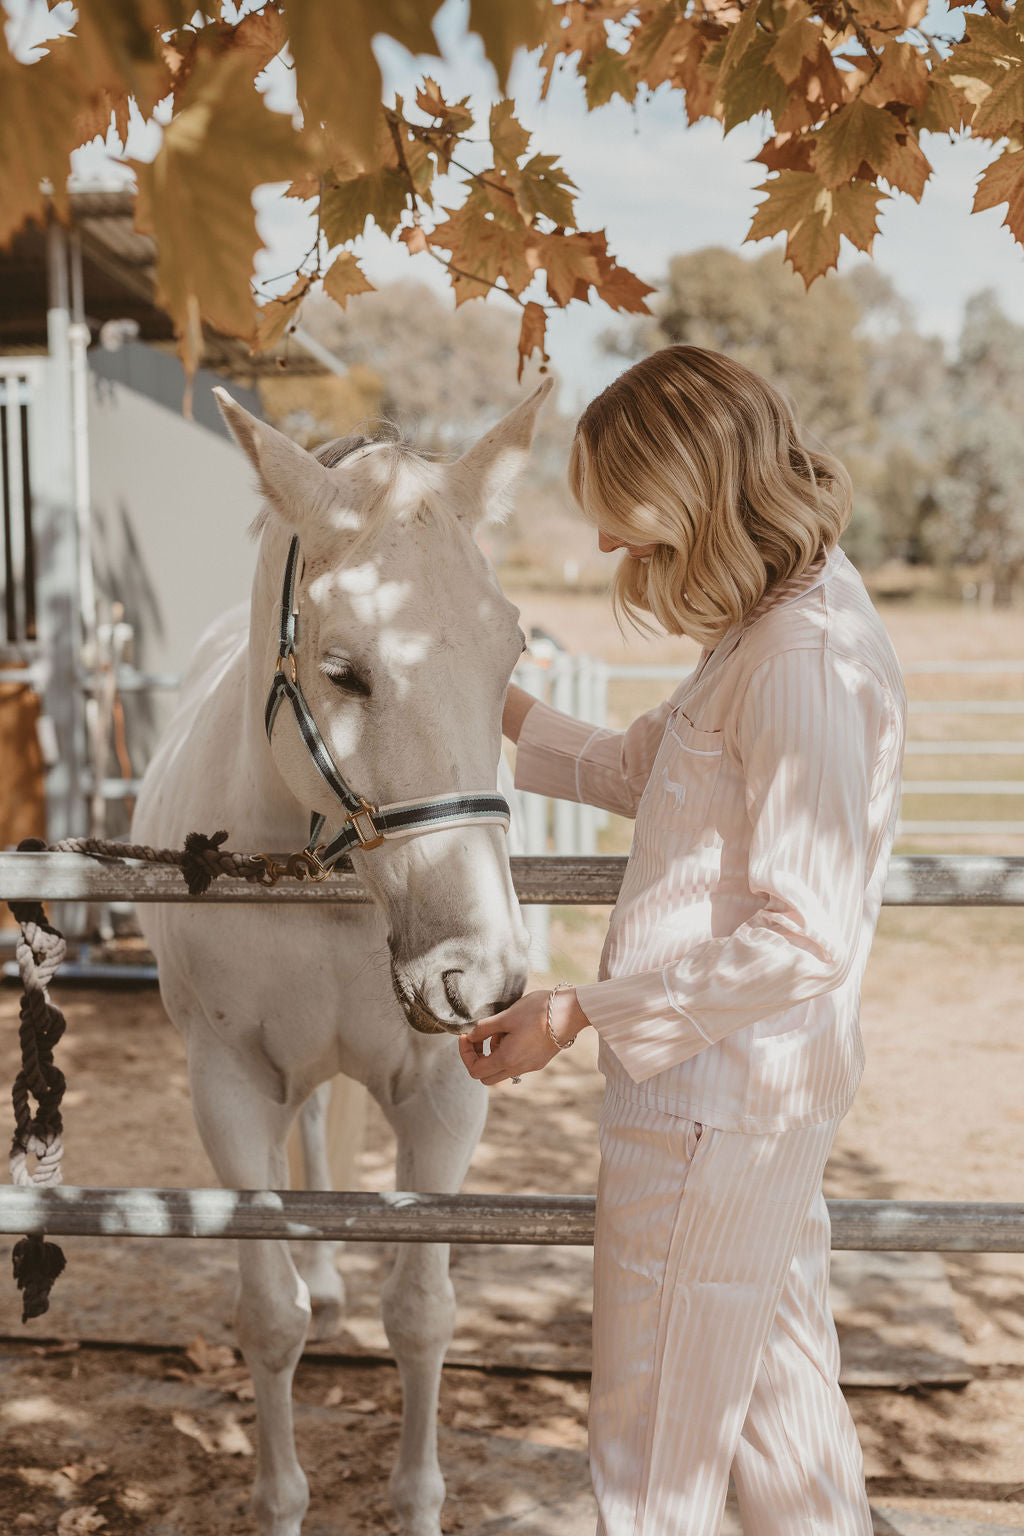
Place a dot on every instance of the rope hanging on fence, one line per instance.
(202, 860)
(40, 951)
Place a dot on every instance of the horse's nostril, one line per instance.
(449, 980)
(512, 996)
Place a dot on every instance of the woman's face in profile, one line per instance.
(607, 543)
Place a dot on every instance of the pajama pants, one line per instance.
(714, 1345)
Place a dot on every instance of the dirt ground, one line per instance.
(125, 1409)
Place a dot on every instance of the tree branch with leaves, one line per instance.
(844, 88)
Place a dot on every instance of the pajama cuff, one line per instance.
(639, 1021)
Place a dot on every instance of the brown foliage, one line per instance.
(845, 87)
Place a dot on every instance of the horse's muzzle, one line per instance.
(419, 1015)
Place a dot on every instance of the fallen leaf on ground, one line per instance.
(187, 1425)
(232, 1439)
(54, 1482)
(80, 1521)
(210, 1357)
(135, 1499)
(83, 1471)
(335, 1395)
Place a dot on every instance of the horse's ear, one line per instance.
(292, 479)
(486, 474)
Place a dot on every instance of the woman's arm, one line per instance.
(569, 760)
(813, 728)
(518, 704)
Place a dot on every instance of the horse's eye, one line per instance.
(348, 680)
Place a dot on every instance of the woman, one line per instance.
(765, 792)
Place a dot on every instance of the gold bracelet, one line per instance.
(559, 986)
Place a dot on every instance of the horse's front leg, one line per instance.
(437, 1128)
(310, 1166)
(244, 1134)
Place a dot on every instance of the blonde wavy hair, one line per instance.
(699, 455)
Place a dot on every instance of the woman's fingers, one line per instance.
(517, 1039)
(488, 1069)
(483, 1030)
(473, 1055)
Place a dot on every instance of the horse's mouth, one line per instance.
(416, 1011)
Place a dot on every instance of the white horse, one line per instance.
(401, 654)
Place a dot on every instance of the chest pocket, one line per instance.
(682, 783)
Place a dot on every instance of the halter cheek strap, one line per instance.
(365, 825)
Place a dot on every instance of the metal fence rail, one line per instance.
(933, 1226)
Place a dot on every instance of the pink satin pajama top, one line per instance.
(765, 793)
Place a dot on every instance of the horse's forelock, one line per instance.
(331, 454)
(393, 454)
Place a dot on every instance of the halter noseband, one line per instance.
(365, 825)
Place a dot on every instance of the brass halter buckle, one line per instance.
(280, 666)
(367, 839)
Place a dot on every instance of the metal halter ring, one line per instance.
(366, 811)
(298, 866)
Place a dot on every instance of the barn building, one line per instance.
(124, 523)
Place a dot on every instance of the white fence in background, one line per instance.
(578, 685)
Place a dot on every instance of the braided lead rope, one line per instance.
(202, 860)
(40, 951)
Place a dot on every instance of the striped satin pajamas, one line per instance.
(765, 793)
(714, 1346)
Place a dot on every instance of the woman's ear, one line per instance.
(484, 477)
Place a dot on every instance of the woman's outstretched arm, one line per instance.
(571, 760)
(518, 704)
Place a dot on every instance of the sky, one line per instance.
(660, 187)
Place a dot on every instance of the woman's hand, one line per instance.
(519, 1036)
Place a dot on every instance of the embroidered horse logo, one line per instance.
(677, 791)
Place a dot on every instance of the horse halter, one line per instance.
(365, 825)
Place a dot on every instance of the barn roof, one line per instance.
(119, 272)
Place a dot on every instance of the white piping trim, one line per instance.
(676, 1009)
(597, 731)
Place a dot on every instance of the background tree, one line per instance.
(443, 376)
(933, 443)
(910, 406)
(978, 504)
(759, 313)
(844, 89)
